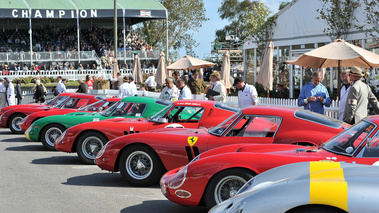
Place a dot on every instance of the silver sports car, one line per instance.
(318, 186)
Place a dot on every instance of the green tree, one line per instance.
(248, 18)
(371, 13)
(283, 4)
(338, 15)
(184, 18)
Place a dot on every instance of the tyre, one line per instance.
(225, 185)
(89, 144)
(50, 133)
(140, 166)
(14, 123)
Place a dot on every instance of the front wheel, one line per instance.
(140, 166)
(225, 185)
(89, 144)
(50, 134)
(14, 123)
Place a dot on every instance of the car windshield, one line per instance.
(109, 111)
(222, 127)
(95, 106)
(348, 141)
(60, 101)
(129, 109)
(161, 113)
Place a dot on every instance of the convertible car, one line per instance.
(48, 129)
(103, 103)
(87, 139)
(143, 158)
(309, 187)
(13, 116)
(216, 175)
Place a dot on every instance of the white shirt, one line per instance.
(219, 87)
(123, 90)
(343, 95)
(10, 94)
(169, 94)
(61, 87)
(185, 93)
(132, 89)
(247, 97)
(150, 81)
(2, 87)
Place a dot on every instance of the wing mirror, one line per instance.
(162, 120)
(369, 142)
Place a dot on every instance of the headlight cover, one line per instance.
(179, 178)
(101, 152)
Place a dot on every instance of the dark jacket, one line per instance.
(83, 88)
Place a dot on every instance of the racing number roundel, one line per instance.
(192, 140)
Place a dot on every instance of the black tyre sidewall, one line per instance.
(209, 198)
(156, 173)
(45, 144)
(79, 144)
(10, 123)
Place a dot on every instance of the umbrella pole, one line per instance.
(268, 96)
(339, 80)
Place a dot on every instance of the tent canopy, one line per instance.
(137, 11)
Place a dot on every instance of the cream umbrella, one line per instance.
(188, 63)
(169, 72)
(115, 70)
(337, 54)
(161, 70)
(265, 73)
(137, 72)
(225, 70)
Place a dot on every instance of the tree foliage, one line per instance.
(248, 18)
(338, 15)
(184, 18)
(371, 13)
(283, 4)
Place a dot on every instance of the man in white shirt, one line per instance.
(132, 89)
(10, 93)
(61, 87)
(150, 82)
(170, 91)
(185, 92)
(123, 90)
(3, 97)
(247, 94)
(344, 92)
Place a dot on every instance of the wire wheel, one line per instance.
(91, 146)
(52, 134)
(228, 187)
(139, 165)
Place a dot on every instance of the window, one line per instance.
(255, 126)
(74, 103)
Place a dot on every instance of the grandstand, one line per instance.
(56, 43)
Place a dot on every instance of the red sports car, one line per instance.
(216, 175)
(94, 107)
(143, 158)
(180, 114)
(12, 116)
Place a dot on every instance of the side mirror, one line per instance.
(162, 120)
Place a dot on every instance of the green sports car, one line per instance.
(49, 128)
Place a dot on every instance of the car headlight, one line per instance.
(246, 186)
(28, 130)
(179, 178)
(24, 119)
(60, 138)
(101, 152)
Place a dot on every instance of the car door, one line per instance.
(249, 129)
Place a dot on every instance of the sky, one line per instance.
(206, 33)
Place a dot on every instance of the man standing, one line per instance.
(314, 95)
(61, 87)
(185, 92)
(123, 90)
(132, 89)
(3, 96)
(118, 81)
(344, 92)
(83, 87)
(196, 85)
(176, 75)
(170, 91)
(150, 82)
(359, 96)
(247, 94)
(218, 87)
(10, 93)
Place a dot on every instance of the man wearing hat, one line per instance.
(196, 85)
(123, 90)
(10, 92)
(247, 94)
(3, 97)
(132, 89)
(359, 96)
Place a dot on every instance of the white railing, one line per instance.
(70, 74)
(331, 111)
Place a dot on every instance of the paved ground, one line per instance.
(35, 180)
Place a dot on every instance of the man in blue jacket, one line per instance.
(314, 95)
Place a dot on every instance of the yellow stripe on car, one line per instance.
(329, 186)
